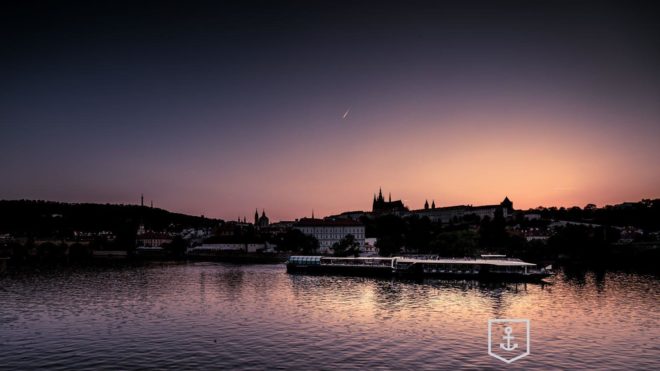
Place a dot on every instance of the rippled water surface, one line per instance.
(212, 315)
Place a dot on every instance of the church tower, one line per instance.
(256, 217)
(507, 204)
(380, 206)
(263, 221)
(426, 205)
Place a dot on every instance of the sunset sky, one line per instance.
(219, 108)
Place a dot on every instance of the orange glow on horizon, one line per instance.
(476, 160)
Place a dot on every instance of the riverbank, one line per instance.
(123, 257)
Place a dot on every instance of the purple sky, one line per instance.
(219, 109)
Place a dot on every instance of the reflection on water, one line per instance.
(206, 315)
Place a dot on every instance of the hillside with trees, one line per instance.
(47, 219)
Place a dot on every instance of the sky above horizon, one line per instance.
(220, 108)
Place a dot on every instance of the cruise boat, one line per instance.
(487, 267)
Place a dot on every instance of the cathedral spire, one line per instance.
(433, 205)
(426, 205)
(390, 197)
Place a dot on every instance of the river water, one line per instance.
(221, 316)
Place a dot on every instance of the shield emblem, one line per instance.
(508, 339)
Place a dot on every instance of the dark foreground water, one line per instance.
(207, 315)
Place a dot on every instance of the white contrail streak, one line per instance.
(346, 113)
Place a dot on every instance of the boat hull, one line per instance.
(485, 276)
(359, 271)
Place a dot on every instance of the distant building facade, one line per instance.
(153, 239)
(211, 248)
(328, 232)
(448, 214)
(280, 227)
(353, 215)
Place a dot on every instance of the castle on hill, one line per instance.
(451, 213)
(380, 206)
(444, 214)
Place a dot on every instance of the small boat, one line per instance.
(487, 267)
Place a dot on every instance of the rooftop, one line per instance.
(497, 262)
(308, 222)
(504, 262)
(457, 207)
